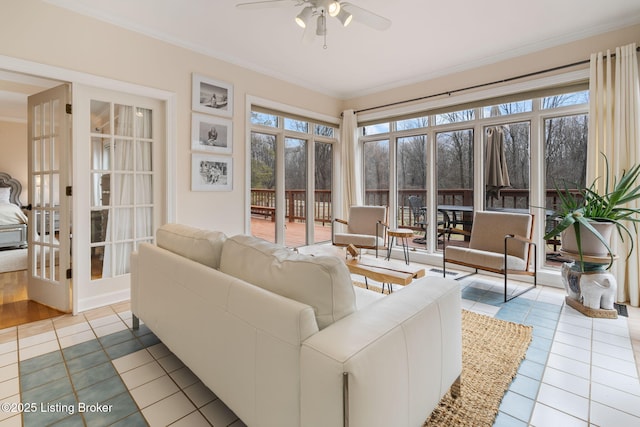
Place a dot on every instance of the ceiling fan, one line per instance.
(319, 11)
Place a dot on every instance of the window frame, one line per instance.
(281, 134)
(536, 117)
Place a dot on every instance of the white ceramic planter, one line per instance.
(591, 246)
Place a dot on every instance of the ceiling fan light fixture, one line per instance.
(321, 27)
(344, 17)
(333, 8)
(303, 18)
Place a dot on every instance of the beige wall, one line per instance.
(545, 59)
(38, 32)
(13, 153)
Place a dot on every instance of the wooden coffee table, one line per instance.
(377, 269)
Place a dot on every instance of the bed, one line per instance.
(13, 222)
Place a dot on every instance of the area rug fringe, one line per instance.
(492, 350)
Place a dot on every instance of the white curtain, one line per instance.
(614, 129)
(131, 158)
(351, 162)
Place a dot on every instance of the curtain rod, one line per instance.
(509, 79)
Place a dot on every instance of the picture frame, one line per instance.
(211, 96)
(211, 172)
(212, 134)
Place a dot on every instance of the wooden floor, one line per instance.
(15, 308)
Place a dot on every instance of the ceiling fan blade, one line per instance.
(266, 4)
(367, 17)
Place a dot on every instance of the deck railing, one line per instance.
(296, 201)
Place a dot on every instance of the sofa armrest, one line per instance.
(407, 345)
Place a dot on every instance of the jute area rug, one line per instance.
(492, 350)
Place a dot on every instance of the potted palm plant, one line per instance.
(586, 216)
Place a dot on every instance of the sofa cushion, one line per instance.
(323, 282)
(199, 245)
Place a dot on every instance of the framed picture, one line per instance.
(210, 133)
(211, 173)
(211, 96)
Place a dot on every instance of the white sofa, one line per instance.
(285, 339)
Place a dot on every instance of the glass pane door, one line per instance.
(45, 175)
(49, 222)
(507, 161)
(322, 194)
(454, 158)
(411, 170)
(295, 182)
(263, 186)
(376, 173)
(122, 209)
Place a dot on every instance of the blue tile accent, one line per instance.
(511, 316)
(121, 406)
(48, 392)
(72, 421)
(517, 406)
(116, 338)
(149, 339)
(81, 349)
(540, 321)
(99, 373)
(134, 420)
(43, 376)
(56, 411)
(528, 387)
(124, 348)
(102, 391)
(505, 420)
(39, 362)
(541, 343)
(83, 370)
(542, 332)
(537, 355)
(531, 369)
(87, 361)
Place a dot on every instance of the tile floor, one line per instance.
(578, 371)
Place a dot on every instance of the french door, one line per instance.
(119, 169)
(49, 229)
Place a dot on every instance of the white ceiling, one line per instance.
(428, 38)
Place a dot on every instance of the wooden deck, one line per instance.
(295, 236)
(295, 233)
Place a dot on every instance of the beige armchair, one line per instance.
(365, 229)
(500, 243)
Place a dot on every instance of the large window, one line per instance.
(292, 162)
(411, 172)
(464, 178)
(376, 173)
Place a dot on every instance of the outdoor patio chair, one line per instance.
(500, 243)
(419, 213)
(366, 228)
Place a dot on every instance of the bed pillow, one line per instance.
(5, 193)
